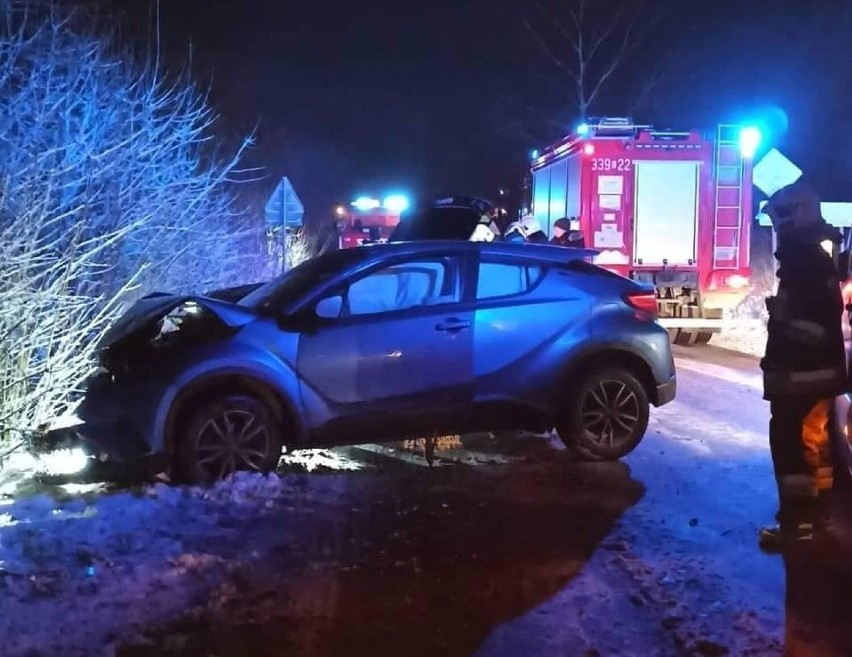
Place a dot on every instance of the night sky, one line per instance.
(442, 96)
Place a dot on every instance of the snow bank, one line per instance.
(96, 571)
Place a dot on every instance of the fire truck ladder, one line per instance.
(729, 197)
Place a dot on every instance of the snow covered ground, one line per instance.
(751, 341)
(508, 549)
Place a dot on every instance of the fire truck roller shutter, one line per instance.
(541, 194)
(558, 193)
(666, 214)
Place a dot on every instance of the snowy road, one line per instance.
(516, 551)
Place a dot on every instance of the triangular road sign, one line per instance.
(283, 207)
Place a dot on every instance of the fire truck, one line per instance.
(669, 208)
(368, 221)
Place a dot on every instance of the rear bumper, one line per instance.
(666, 392)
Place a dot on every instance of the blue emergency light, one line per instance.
(364, 203)
(396, 203)
(750, 138)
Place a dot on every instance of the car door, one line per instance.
(394, 342)
(522, 308)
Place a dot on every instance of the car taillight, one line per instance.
(644, 302)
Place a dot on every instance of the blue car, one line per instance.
(380, 343)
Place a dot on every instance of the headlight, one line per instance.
(174, 320)
(63, 461)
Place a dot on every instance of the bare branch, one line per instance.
(542, 46)
(109, 188)
(597, 39)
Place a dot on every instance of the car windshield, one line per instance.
(437, 224)
(293, 284)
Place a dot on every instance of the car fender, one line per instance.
(278, 376)
(615, 328)
(609, 350)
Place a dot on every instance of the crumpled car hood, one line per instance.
(155, 306)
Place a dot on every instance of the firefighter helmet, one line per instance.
(515, 232)
(530, 225)
(794, 207)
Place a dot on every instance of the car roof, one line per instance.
(535, 251)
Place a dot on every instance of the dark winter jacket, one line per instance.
(804, 348)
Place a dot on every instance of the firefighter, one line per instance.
(514, 232)
(532, 229)
(483, 233)
(804, 367)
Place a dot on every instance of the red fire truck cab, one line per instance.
(662, 207)
(364, 226)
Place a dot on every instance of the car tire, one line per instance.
(606, 415)
(704, 337)
(224, 434)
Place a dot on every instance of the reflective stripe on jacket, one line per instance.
(797, 486)
(824, 381)
(825, 478)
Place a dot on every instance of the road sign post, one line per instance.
(284, 213)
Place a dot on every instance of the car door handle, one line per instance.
(452, 325)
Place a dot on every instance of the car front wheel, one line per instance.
(225, 434)
(605, 415)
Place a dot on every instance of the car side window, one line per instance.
(411, 284)
(504, 279)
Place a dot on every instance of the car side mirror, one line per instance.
(330, 307)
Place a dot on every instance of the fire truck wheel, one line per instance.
(606, 415)
(704, 337)
(686, 338)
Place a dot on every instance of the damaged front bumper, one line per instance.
(86, 449)
(140, 356)
(111, 441)
(113, 426)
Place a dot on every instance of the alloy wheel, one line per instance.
(231, 440)
(610, 413)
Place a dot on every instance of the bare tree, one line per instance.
(109, 187)
(589, 41)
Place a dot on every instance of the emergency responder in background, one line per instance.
(565, 233)
(804, 367)
(576, 239)
(561, 230)
(514, 233)
(532, 230)
(483, 233)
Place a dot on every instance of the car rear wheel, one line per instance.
(606, 415)
(225, 434)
